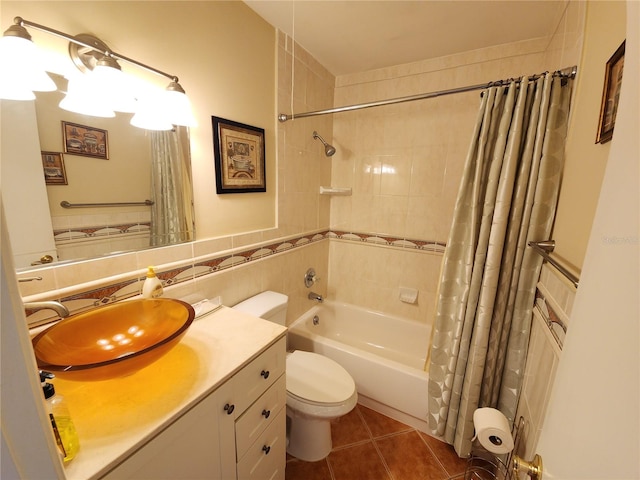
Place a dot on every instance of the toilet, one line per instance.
(318, 388)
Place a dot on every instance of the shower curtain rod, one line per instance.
(569, 72)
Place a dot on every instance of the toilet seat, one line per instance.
(318, 380)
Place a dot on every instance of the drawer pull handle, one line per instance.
(264, 374)
(266, 413)
(229, 408)
(266, 449)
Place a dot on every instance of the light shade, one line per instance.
(20, 63)
(83, 99)
(151, 114)
(178, 106)
(107, 79)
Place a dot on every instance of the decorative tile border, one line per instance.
(552, 318)
(96, 297)
(66, 234)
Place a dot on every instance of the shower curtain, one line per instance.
(507, 197)
(172, 211)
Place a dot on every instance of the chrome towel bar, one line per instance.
(65, 204)
(544, 249)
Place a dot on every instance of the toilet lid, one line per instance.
(317, 378)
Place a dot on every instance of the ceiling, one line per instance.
(350, 36)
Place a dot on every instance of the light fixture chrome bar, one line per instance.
(65, 204)
(22, 22)
(566, 72)
(544, 249)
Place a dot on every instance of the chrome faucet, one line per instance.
(315, 296)
(57, 307)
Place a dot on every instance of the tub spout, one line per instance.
(57, 307)
(315, 296)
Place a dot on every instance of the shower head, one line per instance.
(328, 149)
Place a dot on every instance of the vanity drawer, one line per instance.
(259, 415)
(254, 379)
(266, 457)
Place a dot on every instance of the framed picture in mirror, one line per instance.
(239, 157)
(610, 95)
(53, 165)
(85, 141)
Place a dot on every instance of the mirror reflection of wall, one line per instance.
(120, 172)
(122, 177)
(235, 79)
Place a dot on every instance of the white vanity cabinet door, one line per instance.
(259, 415)
(188, 448)
(254, 379)
(266, 457)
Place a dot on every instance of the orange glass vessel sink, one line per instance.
(112, 341)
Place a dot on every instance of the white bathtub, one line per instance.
(385, 355)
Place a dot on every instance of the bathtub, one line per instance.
(385, 355)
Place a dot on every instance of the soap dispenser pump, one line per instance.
(152, 286)
(64, 430)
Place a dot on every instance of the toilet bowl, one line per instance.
(318, 388)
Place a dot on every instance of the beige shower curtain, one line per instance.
(172, 218)
(507, 197)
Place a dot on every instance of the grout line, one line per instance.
(384, 462)
(331, 472)
(354, 444)
(434, 455)
(364, 422)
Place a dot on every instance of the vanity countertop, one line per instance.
(115, 417)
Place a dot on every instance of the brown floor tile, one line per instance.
(409, 458)
(358, 463)
(452, 463)
(299, 470)
(348, 429)
(379, 424)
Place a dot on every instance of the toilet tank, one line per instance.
(269, 305)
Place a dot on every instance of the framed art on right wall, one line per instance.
(610, 95)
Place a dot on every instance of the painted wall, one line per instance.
(585, 160)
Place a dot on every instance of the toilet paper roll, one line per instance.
(493, 430)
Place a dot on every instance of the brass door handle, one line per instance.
(44, 259)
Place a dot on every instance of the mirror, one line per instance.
(85, 160)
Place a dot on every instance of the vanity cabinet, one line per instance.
(237, 431)
(254, 435)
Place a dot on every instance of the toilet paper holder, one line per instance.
(483, 464)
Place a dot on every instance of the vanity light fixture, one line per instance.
(103, 88)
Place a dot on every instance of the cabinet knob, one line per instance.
(266, 449)
(266, 413)
(229, 408)
(264, 374)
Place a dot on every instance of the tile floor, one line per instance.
(370, 446)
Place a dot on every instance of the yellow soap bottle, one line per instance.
(152, 286)
(64, 430)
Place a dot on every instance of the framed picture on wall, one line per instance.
(239, 157)
(610, 95)
(85, 141)
(53, 165)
